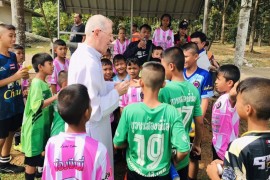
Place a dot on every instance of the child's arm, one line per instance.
(233, 94)
(212, 170)
(53, 89)
(21, 73)
(179, 157)
(49, 101)
(204, 106)
(199, 134)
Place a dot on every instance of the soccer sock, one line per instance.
(29, 176)
(5, 160)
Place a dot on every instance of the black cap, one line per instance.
(183, 24)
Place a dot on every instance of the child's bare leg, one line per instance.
(7, 145)
(193, 169)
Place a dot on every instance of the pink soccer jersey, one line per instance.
(76, 156)
(133, 95)
(225, 125)
(120, 48)
(58, 66)
(165, 39)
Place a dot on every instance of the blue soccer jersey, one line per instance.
(202, 80)
(116, 78)
(11, 101)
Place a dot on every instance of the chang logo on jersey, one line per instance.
(263, 162)
(196, 84)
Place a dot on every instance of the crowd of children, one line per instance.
(159, 122)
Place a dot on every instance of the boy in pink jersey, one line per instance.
(134, 93)
(60, 63)
(225, 120)
(121, 43)
(163, 36)
(73, 154)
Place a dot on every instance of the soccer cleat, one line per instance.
(11, 168)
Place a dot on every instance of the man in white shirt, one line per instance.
(200, 39)
(85, 68)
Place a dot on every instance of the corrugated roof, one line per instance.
(188, 9)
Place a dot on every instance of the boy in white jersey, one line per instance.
(185, 97)
(225, 120)
(74, 154)
(150, 129)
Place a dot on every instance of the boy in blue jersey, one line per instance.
(201, 79)
(11, 101)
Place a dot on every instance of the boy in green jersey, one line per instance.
(38, 115)
(58, 124)
(185, 97)
(150, 129)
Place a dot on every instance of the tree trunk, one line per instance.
(252, 32)
(242, 32)
(17, 11)
(260, 38)
(205, 16)
(226, 2)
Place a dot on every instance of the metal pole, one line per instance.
(58, 20)
(131, 18)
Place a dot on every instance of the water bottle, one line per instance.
(173, 173)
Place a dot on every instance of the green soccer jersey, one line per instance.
(186, 98)
(58, 124)
(150, 135)
(36, 120)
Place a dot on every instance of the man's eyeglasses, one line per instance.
(108, 34)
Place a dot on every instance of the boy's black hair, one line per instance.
(17, 47)
(146, 26)
(155, 60)
(153, 75)
(230, 72)
(59, 42)
(176, 56)
(7, 26)
(191, 46)
(255, 91)
(134, 60)
(40, 59)
(157, 48)
(166, 15)
(118, 57)
(135, 25)
(62, 77)
(199, 34)
(73, 101)
(105, 61)
(80, 15)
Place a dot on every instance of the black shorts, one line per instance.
(131, 175)
(215, 155)
(183, 173)
(193, 156)
(34, 161)
(10, 125)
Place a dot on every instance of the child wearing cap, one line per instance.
(181, 37)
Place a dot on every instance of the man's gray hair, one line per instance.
(96, 22)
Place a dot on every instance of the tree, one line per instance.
(225, 4)
(242, 32)
(254, 19)
(17, 11)
(205, 18)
